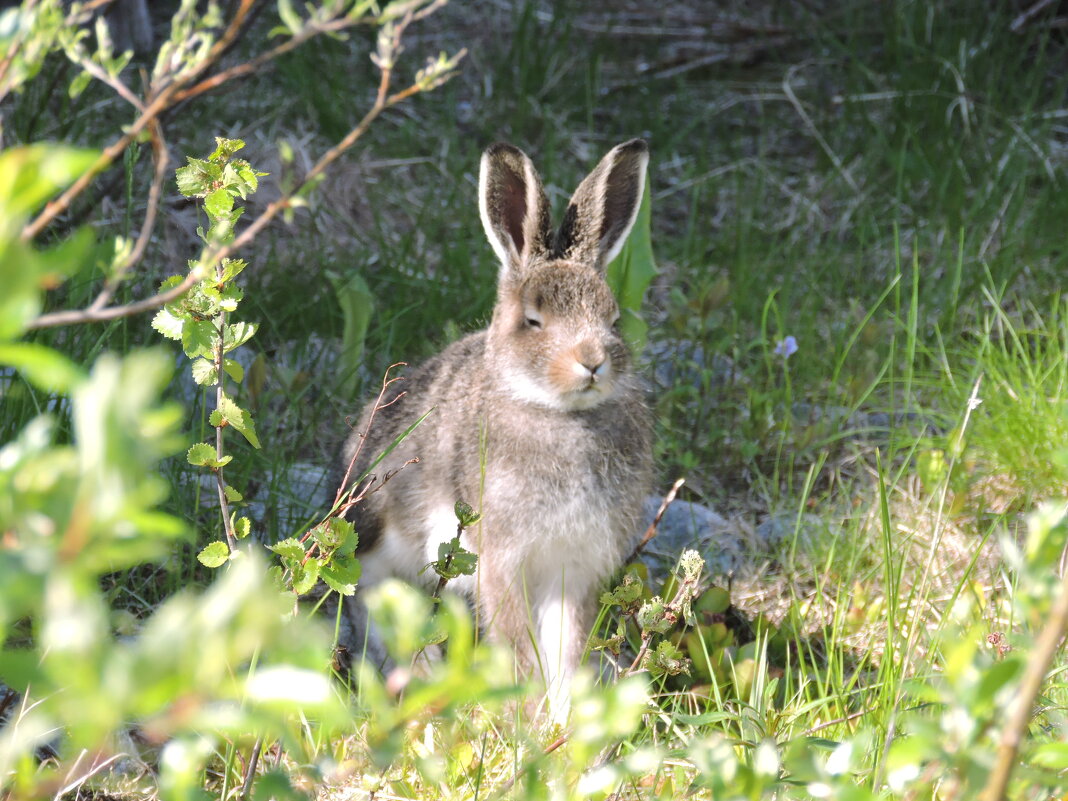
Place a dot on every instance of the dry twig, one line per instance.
(1021, 709)
(652, 530)
(383, 101)
(159, 103)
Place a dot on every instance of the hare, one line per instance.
(538, 421)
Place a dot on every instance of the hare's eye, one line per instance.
(533, 322)
(532, 319)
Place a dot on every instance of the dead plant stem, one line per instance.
(1022, 705)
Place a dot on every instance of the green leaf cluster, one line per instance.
(327, 553)
(454, 560)
(199, 320)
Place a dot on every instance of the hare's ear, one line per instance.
(514, 209)
(604, 206)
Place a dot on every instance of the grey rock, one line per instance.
(688, 525)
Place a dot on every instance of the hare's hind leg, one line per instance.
(561, 625)
(356, 632)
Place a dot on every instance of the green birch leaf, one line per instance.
(231, 268)
(203, 454)
(197, 177)
(242, 527)
(337, 535)
(250, 177)
(289, 549)
(204, 372)
(305, 576)
(344, 570)
(224, 148)
(230, 296)
(238, 418)
(198, 338)
(167, 324)
(219, 203)
(214, 555)
(338, 585)
(237, 335)
(234, 370)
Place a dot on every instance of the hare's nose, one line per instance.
(593, 365)
(593, 358)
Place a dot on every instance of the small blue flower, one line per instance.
(786, 347)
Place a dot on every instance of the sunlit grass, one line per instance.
(906, 231)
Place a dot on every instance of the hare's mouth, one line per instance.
(563, 393)
(586, 397)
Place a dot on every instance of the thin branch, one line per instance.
(92, 5)
(94, 769)
(378, 406)
(13, 49)
(1021, 709)
(673, 612)
(828, 723)
(1028, 14)
(519, 774)
(250, 770)
(72, 317)
(161, 159)
(159, 103)
(121, 89)
(250, 67)
(76, 316)
(74, 18)
(98, 311)
(220, 378)
(652, 530)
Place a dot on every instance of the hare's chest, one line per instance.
(560, 523)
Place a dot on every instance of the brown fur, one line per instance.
(538, 422)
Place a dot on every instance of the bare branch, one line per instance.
(161, 159)
(250, 67)
(159, 103)
(378, 406)
(220, 480)
(1021, 709)
(121, 89)
(13, 50)
(213, 257)
(652, 530)
(1028, 14)
(519, 774)
(75, 316)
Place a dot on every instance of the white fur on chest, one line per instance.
(568, 537)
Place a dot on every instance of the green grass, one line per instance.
(907, 228)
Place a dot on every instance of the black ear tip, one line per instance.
(498, 149)
(634, 146)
